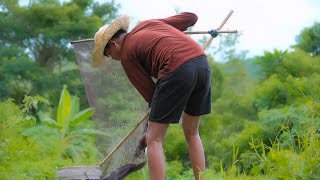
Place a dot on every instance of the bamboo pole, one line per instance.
(82, 40)
(108, 157)
(220, 27)
(186, 32)
(206, 32)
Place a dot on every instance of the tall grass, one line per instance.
(293, 154)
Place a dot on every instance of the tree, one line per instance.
(35, 54)
(18, 78)
(309, 39)
(270, 63)
(45, 36)
(216, 79)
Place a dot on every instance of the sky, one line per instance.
(264, 24)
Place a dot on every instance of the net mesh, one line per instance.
(119, 109)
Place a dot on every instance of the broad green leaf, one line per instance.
(75, 105)
(91, 132)
(64, 107)
(81, 116)
(51, 122)
(48, 121)
(37, 131)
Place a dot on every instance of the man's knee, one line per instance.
(156, 132)
(151, 138)
(191, 134)
(190, 126)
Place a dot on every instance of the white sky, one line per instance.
(265, 24)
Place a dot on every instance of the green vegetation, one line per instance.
(33, 149)
(264, 123)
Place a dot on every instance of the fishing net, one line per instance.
(119, 109)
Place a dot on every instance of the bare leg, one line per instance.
(190, 126)
(154, 137)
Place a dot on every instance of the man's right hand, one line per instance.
(142, 141)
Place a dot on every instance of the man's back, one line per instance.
(159, 46)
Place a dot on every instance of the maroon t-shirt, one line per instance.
(156, 48)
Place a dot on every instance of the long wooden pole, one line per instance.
(186, 32)
(107, 158)
(206, 32)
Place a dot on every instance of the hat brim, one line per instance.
(103, 36)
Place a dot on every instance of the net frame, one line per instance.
(123, 152)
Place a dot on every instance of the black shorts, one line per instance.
(186, 89)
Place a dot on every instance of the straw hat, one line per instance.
(103, 36)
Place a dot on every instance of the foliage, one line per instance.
(287, 77)
(264, 122)
(265, 110)
(35, 56)
(271, 63)
(45, 36)
(20, 77)
(30, 106)
(271, 93)
(70, 124)
(31, 150)
(31, 103)
(309, 39)
(216, 79)
(176, 150)
(294, 153)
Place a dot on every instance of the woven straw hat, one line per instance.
(103, 36)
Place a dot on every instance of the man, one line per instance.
(158, 48)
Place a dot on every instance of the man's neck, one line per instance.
(121, 38)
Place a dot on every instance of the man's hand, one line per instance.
(214, 33)
(142, 145)
(142, 141)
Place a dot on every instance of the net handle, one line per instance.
(107, 158)
(207, 32)
(82, 40)
(186, 32)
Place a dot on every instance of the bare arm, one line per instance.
(140, 79)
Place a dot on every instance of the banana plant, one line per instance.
(69, 116)
(71, 129)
